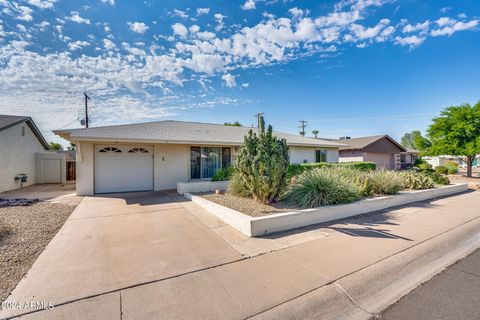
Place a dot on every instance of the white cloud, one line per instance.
(179, 29)
(249, 5)
(179, 13)
(42, 4)
(110, 2)
(245, 85)
(296, 12)
(25, 13)
(411, 41)
(75, 17)
(201, 11)
(77, 45)
(138, 27)
(108, 44)
(458, 26)
(229, 80)
(445, 21)
(419, 27)
(219, 18)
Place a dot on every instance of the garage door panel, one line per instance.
(123, 171)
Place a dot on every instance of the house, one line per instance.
(381, 149)
(436, 161)
(157, 155)
(408, 158)
(20, 141)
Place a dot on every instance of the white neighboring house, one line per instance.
(20, 141)
(436, 161)
(157, 155)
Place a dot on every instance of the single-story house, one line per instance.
(382, 149)
(408, 158)
(20, 141)
(436, 161)
(157, 155)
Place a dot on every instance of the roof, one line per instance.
(7, 121)
(410, 150)
(363, 142)
(179, 132)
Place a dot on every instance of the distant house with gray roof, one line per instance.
(158, 155)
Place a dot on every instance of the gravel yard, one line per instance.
(24, 232)
(248, 206)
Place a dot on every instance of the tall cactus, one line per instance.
(261, 166)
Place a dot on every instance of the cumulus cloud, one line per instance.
(42, 4)
(249, 5)
(75, 17)
(410, 41)
(76, 45)
(179, 29)
(453, 27)
(108, 44)
(138, 27)
(229, 80)
(110, 2)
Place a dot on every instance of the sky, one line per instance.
(348, 67)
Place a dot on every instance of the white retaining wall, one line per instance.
(201, 186)
(289, 220)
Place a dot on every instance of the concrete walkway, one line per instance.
(151, 256)
(56, 193)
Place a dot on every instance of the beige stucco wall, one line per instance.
(50, 167)
(84, 167)
(351, 156)
(299, 154)
(17, 155)
(171, 165)
(383, 160)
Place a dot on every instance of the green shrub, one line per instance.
(441, 170)
(419, 161)
(223, 174)
(452, 167)
(320, 187)
(417, 180)
(295, 169)
(261, 166)
(424, 166)
(365, 187)
(385, 181)
(436, 177)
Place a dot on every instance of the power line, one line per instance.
(86, 109)
(258, 115)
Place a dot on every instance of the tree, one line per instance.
(457, 132)
(72, 146)
(55, 146)
(233, 124)
(315, 132)
(415, 140)
(261, 166)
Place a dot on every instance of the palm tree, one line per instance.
(315, 132)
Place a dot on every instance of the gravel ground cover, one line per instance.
(248, 206)
(24, 232)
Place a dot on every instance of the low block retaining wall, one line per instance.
(257, 226)
(201, 186)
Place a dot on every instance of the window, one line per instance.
(320, 155)
(226, 158)
(204, 161)
(138, 150)
(110, 149)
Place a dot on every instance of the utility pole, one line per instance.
(303, 125)
(86, 109)
(258, 115)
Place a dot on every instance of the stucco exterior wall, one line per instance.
(171, 165)
(50, 167)
(299, 154)
(350, 156)
(84, 167)
(383, 160)
(17, 155)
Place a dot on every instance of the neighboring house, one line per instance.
(436, 161)
(408, 158)
(157, 155)
(20, 141)
(382, 149)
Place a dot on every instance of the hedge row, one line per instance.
(295, 169)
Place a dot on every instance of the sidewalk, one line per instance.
(353, 272)
(453, 294)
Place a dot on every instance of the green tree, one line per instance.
(72, 146)
(55, 146)
(457, 132)
(233, 124)
(315, 132)
(415, 140)
(261, 166)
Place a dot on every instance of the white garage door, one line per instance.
(120, 168)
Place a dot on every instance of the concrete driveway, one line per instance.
(121, 241)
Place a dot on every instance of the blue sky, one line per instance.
(348, 67)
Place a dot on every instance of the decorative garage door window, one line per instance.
(138, 150)
(110, 149)
(204, 161)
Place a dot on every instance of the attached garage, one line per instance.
(123, 168)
